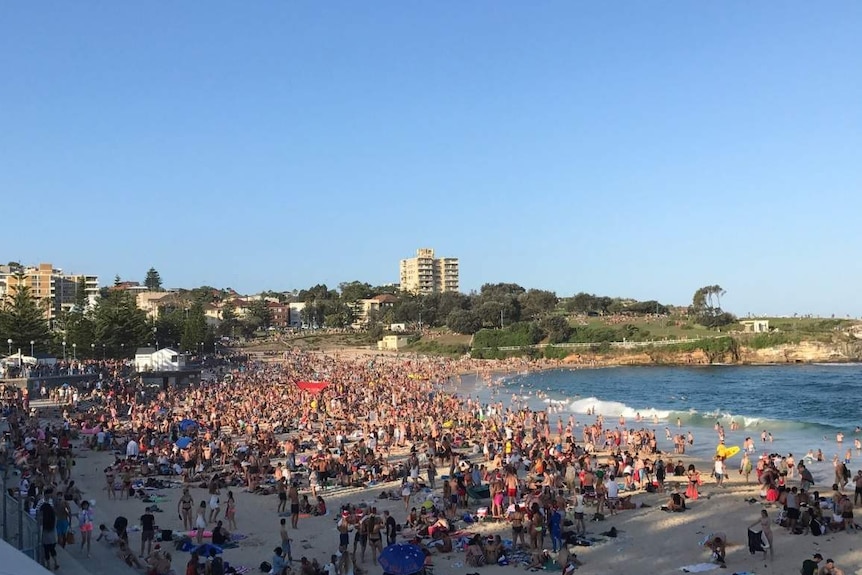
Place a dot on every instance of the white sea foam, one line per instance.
(615, 409)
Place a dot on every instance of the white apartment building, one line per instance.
(426, 274)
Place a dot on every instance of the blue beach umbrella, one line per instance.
(187, 424)
(183, 442)
(402, 559)
(204, 549)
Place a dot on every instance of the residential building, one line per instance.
(425, 274)
(55, 290)
(132, 287)
(280, 313)
(363, 308)
(151, 302)
(295, 310)
(212, 315)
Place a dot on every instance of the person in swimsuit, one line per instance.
(766, 528)
(184, 509)
(215, 506)
(375, 537)
(230, 511)
(517, 521)
(281, 488)
(343, 531)
(293, 496)
(110, 476)
(511, 486)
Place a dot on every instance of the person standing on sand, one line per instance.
(390, 527)
(693, 475)
(201, 522)
(745, 466)
(511, 486)
(148, 533)
(281, 489)
(109, 482)
(230, 511)
(766, 528)
(85, 525)
(432, 473)
(285, 539)
(184, 509)
(215, 503)
(293, 496)
(718, 471)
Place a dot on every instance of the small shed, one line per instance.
(165, 359)
(755, 326)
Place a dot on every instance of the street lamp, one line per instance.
(9, 341)
(123, 350)
(74, 352)
(103, 352)
(32, 343)
(64, 350)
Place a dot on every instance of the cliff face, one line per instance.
(805, 352)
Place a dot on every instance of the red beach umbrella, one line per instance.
(312, 386)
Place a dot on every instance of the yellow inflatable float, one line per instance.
(726, 452)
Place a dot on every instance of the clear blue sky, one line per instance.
(639, 149)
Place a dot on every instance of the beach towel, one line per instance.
(698, 568)
(756, 541)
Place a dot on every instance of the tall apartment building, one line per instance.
(57, 290)
(426, 274)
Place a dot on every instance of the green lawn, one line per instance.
(660, 328)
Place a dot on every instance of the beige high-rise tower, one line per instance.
(426, 274)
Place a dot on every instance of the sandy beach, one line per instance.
(648, 539)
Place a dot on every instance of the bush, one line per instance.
(516, 335)
(551, 352)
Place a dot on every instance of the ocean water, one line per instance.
(802, 406)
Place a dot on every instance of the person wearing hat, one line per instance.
(343, 529)
(810, 566)
(360, 539)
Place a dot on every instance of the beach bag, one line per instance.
(265, 567)
(70, 538)
(816, 528)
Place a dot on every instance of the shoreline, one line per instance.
(668, 541)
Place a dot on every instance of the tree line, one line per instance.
(114, 326)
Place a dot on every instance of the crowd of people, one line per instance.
(255, 427)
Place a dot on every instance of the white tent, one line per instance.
(19, 358)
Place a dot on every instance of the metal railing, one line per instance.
(19, 526)
(620, 344)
